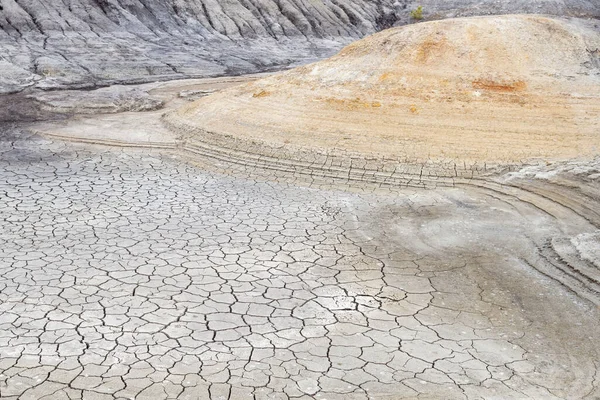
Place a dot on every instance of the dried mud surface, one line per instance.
(171, 268)
(132, 274)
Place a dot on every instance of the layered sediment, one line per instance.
(444, 99)
(86, 43)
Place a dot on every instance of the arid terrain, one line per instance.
(89, 43)
(416, 217)
(448, 96)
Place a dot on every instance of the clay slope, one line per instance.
(81, 43)
(461, 94)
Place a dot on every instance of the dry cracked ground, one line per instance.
(176, 271)
(130, 274)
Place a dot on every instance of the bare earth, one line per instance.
(163, 273)
(453, 93)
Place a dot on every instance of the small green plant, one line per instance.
(417, 14)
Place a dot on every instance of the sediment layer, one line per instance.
(83, 43)
(459, 96)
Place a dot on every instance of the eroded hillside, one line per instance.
(83, 43)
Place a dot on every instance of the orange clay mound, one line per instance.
(498, 90)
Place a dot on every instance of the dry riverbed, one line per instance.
(141, 270)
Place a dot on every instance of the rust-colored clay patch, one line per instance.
(350, 104)
(384, 77)
(262, 93)
(432, 47)
(488, 84)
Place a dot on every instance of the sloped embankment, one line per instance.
(444, 99)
